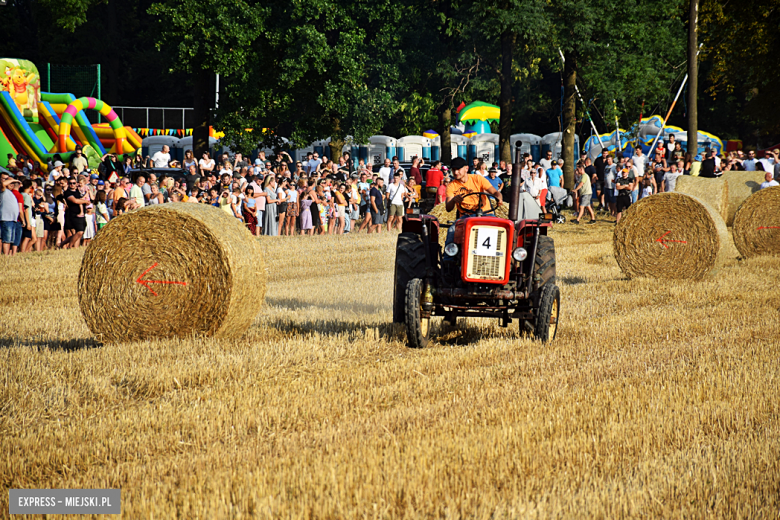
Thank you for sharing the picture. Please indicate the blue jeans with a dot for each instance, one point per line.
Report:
(634, 196)
(7, 232)
(18, 234)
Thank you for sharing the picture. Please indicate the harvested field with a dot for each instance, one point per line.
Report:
(659, 399)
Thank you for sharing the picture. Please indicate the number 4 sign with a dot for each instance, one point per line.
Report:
(487, 242)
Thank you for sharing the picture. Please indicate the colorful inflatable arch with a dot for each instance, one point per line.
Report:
(120, 136)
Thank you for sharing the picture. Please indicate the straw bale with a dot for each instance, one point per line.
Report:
(440, 212)
(757, 224)
(741, 186)
(670, 236)
(714, 191)
(216, 263)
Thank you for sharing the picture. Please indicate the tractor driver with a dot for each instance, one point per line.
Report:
(463, 184)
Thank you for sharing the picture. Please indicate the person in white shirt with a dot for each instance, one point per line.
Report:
(546, 162)
(535, 186)
(386, 171)
(670, 178)
(769, 181)
(395, 201)
(206, 164)
(640, 159)
(162, 158)
(768, 162)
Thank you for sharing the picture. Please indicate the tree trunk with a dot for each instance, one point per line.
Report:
(202, 94)
(505, 103)
(569, 119)
(336, 142)
(693, 79)
(445, 120)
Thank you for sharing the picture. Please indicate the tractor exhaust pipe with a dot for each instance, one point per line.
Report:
(514, 197)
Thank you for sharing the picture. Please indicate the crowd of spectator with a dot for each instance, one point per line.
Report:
(67, 206)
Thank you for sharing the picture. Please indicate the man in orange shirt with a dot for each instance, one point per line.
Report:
(464, 184)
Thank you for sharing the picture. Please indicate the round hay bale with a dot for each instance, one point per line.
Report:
(757, 224)
(714, 191)
(741, 186)
(670, 236)
(440, 212)
(172, 270)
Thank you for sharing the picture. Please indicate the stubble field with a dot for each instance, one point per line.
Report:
(657, 400)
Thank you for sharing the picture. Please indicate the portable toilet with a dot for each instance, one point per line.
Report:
(436, 148)
(531, 144)
(381, 147)
(153, 144)
(301, 153)
(459, 146)
(414, 146)
(483, 147)
(322, 147)
(186, 143)
(554, 143)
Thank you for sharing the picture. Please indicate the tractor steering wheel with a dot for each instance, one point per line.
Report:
(478, 212)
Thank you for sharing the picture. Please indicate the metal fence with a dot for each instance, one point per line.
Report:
(156, 117)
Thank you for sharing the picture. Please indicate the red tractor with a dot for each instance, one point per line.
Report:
(494, 267)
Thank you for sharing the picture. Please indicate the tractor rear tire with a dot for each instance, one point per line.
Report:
(544, 263)
(418, 329)
(548, 313)
(409, 263)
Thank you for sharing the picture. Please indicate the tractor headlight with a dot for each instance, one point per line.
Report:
(519, 254)
(451, 249)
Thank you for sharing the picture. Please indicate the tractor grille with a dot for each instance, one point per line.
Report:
(484, 267)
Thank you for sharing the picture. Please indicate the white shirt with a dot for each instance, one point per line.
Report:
(161, 160)
(385, 172)
(396, 193)
(768, 166)
(206, 164)
(639, 162)
(769, 184)
(749, 164)
(546, 163)
(535, 186)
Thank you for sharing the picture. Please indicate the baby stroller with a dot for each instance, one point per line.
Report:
(555, 198)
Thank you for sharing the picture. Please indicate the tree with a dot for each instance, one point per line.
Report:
(739, 68)
(210, 37)
(625, 51)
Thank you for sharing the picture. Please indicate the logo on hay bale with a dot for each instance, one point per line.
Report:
(173, 270)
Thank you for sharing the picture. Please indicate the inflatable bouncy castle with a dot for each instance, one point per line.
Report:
(42, 124)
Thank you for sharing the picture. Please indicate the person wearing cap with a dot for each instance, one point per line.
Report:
(56, 172)
(465, 184)
(554, 174)
(494, 180)
(78, 162)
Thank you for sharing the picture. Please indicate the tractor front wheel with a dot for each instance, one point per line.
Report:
(418, 329)
(548, 313)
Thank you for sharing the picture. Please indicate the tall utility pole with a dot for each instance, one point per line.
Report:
(693, 79)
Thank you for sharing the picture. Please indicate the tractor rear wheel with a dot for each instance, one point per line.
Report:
(418, 329)
(409, 263)
(544, 263)
(547, 314)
